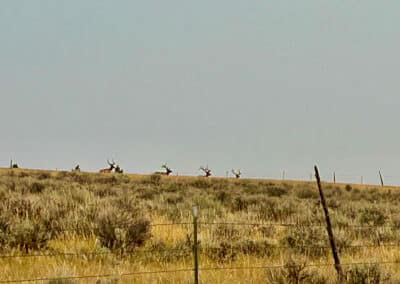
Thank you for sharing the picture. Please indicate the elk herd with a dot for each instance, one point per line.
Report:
(113, 167)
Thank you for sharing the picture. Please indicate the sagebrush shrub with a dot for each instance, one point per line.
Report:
(366, 274)
(295, 272)
(155, 179)
(224, 251)
(306, 240)
(226, 232)
(275, 210)
(252, 247)
(27, 234)
(36, 187)
(122, 231)
(201, 183)
(276, 191)
(373, 217)
(307, 193)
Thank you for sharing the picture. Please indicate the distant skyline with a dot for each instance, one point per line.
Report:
(264, 86)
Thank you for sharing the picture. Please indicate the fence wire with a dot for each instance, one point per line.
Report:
(137, 273)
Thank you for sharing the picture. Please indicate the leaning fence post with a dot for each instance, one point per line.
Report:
(380, 176)
(335, 254)
(195, 245)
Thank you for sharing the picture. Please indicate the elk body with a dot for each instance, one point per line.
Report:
(118, 170)
(167, 169)
(76, 169)
(109, 169)
(206, 170)
(236, 173)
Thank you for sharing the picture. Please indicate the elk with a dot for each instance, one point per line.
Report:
(167, 169)
(108, 170)
(76, 169)
(237, 173)
(206, 170)
(119, 170)
(13, 165)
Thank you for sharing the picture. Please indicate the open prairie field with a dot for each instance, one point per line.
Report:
(67, 227)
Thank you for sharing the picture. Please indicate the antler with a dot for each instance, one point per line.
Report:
(111, 164)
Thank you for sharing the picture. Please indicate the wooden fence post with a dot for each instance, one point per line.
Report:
(335, 254)
(334, 177)
(195, 245)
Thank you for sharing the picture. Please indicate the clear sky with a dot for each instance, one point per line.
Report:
(258, 85)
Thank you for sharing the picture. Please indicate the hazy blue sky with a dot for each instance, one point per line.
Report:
(260, 85)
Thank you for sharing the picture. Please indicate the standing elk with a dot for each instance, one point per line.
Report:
(108, 170)
(206, 170)
(237, 173)
(167, 169)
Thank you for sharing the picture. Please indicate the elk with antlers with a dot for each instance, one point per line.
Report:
(237, 173)
(76, 169)
(206, 170)
(167, 169)
(110, 169)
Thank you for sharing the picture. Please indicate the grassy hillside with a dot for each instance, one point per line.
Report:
(107, 224)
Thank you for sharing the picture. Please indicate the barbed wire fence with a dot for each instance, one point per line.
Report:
(195, 249)
(197, 268)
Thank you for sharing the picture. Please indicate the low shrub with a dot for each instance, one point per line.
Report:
(253, 247)
(36, 187)
(226, 232)
(27, 234)
(363, 274)
(372, 216)
(307, 193)
(306, 240)
(295, 272)
(201, 183)
(155, 179)
(122, 231)
(276, 210)
(222, 252)
(276, 191)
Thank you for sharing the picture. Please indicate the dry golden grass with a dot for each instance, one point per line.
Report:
(77, 199)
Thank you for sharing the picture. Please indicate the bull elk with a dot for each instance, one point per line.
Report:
(167, 169)
(118, 170)
(13, 165)
(236, 173)
(206, 170)
(76, 169)
(108, 170)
